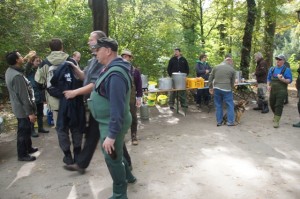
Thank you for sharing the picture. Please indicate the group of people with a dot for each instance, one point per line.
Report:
(221, 83)
(109, 86)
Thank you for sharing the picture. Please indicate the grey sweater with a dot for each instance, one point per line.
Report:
(222, 77)
(20, 93)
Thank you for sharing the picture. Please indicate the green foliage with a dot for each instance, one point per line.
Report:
(150, 29)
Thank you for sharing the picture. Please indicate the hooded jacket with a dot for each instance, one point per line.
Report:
(55, 58)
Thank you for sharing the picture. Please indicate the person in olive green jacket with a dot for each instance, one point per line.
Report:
(22, 102)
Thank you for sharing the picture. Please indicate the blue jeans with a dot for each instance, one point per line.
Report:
(226, 97)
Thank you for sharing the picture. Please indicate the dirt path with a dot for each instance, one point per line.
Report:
(177, 158)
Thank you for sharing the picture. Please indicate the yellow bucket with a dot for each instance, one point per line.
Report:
(150, 102)
(162, 99)
(151, 96)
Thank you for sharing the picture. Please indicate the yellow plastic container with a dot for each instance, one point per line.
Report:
(162, 99)
(193, 83)
(150, 102)
(200, 82)
(151, 96)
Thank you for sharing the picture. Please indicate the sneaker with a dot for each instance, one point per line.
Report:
(172, 107)
(231, 124)
(132, 181)
(219, 124)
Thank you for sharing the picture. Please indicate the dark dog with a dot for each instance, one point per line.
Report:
(239, 109)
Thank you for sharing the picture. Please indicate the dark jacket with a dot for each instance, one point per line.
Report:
(71, 111)
(176, 65)
(261, 71)
(30, 73)
(201, 70)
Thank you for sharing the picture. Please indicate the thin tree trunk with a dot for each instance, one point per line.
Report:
(100, 15)
(270, 26)
(247, 39)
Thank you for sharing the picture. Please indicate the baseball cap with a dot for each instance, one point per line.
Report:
(106, 43)
(281, 56)
(126, 52)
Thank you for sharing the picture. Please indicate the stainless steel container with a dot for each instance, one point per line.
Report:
(165, 83)
(144, 112)
(144, 81)
(179, 80)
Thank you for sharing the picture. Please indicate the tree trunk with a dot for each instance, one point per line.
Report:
(270, 12)
(100, 15)
(247, 39)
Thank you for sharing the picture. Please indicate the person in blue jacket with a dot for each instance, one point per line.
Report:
(279, 76)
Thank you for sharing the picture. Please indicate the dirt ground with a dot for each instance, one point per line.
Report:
(178, 157)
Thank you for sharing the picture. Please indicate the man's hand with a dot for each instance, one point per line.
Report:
(32, 118)
(70, 94)
(211, 91)
(206, 71)
(138, 102)
(108, 145)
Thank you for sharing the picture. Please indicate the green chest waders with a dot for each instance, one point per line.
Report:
(100, 109)
(277, 95)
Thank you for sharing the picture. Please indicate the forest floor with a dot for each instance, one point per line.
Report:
(177, 157)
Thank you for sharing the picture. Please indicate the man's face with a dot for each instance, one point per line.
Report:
(77, 57)
(176, 53)
(102, 54)
(279, 62)
(20, 59)
(127, 57)
(92, 41)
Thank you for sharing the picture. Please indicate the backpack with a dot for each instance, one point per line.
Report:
(53, 91)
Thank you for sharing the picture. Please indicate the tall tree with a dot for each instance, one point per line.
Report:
(247, 38)
(100, 15)
(270, 25)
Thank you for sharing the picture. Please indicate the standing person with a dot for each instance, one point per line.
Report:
(178, 64)
(30, 70)
(56, 58)
(279, 77)
(92, 134)
(298, 91)
(22, 102)
(261, 73)
(109, 104)
(136, 95)
(221, 84)
(202, 70)
(287, 64)
(76, 57)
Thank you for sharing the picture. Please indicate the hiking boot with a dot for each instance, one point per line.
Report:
(33, 150)
(74, 167)
(172, 107)
(43, 130)
(27, 158)
(135, 142)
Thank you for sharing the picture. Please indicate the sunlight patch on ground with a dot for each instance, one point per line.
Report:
(73, 193)
(173, 120)
(24, 171)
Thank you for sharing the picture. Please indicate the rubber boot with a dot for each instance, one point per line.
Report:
(265, 108)
(40, 125)
(129, 177)
(33, 133)
(297, 125)
(259, 105)
(276, 121)
(134, 138)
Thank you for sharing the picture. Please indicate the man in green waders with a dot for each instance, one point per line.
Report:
(279, 77)
(109, 104)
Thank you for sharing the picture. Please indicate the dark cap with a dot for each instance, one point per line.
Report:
(281, 56)
(228, 56)
(177, 49)
(106, 43)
